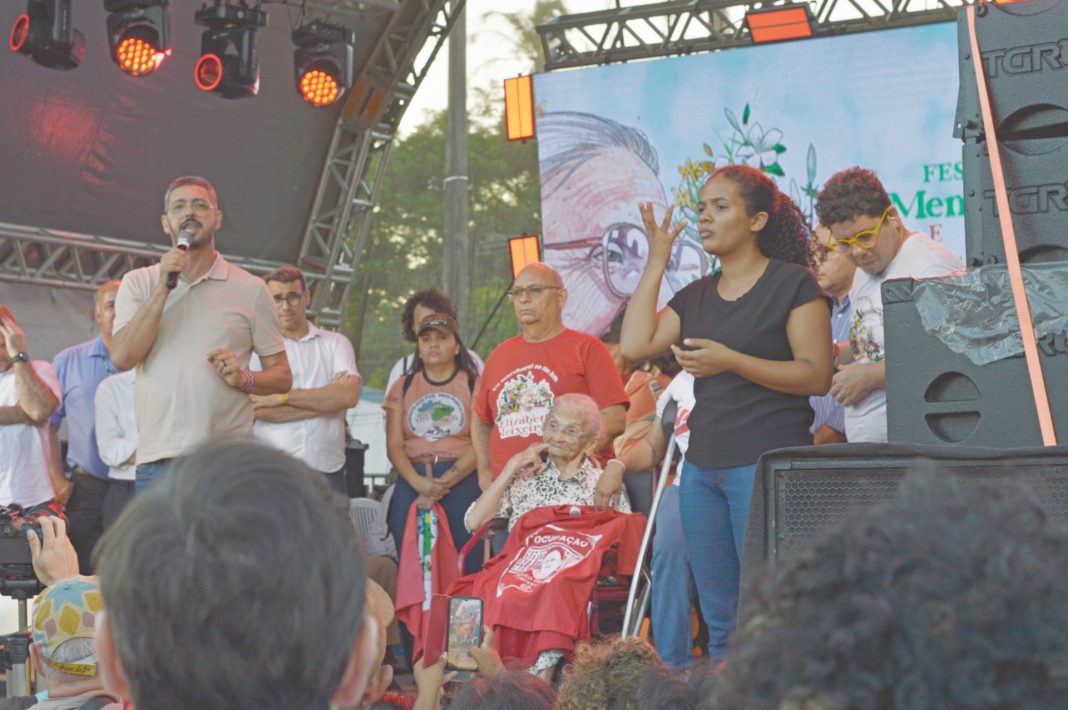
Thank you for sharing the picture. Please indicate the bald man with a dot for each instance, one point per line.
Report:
(525, 374)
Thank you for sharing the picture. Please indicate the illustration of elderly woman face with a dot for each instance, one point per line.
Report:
(592, 231)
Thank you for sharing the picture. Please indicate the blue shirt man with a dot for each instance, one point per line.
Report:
(80, 369)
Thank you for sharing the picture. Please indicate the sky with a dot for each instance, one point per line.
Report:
(490, 56)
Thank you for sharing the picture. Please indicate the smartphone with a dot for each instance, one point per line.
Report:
(465, 632)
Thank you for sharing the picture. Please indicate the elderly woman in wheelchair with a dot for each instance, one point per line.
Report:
(558, 471)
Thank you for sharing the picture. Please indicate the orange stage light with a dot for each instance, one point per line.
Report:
(137, 57)
(782, 22)
(208, 73)
(524, 250)
(20, 31)
(519, 107)
(319, 88)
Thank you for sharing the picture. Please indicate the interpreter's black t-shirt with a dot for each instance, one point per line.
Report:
(735, 420)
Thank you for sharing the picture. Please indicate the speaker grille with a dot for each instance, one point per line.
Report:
(808, 501)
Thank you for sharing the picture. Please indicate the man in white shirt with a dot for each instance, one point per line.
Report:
(864, 225)
(29, 393)
(308, 421)
(116, 439)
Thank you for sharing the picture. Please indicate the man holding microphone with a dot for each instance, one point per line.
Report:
(191, 337)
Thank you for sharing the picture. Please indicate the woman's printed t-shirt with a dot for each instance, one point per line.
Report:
(736, 420)
(436, 417)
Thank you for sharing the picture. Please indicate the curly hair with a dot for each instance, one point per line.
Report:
(511, 690)
(430, 298)
(786, 236)
(849, 194)
(952, 596)
(606, 676)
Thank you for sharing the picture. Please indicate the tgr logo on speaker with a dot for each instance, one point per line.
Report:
(1028, 59)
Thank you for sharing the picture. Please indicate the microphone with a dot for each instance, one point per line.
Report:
(184, 240)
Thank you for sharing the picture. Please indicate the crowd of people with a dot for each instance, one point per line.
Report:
(233, 576)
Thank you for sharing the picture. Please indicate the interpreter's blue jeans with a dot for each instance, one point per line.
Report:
(148, 473)
(713, 506)
(673, 586)
(455, 504)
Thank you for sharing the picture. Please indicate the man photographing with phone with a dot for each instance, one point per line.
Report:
(191, 344)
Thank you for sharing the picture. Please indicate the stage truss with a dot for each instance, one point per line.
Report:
(672, 28)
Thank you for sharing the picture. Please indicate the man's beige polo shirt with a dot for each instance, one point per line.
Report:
(180, 402)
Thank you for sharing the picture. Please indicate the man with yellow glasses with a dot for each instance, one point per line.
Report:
(864, 225)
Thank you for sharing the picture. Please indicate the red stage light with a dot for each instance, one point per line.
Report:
(780, 22)
(208, 73)
(319, 88)
(19, 32)
(137, 57)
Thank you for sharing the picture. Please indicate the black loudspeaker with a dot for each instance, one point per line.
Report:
(1024, 50)
(799, 493)
(938, 396)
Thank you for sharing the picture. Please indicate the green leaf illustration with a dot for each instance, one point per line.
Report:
(745, 114)
(779, 148)
(811, 163)
(774, 169)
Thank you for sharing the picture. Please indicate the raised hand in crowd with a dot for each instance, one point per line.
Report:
(53, 554)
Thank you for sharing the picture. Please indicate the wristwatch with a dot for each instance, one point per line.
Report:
(21, 357)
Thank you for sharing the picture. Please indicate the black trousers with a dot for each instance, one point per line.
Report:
(85, 516)
(119, 494)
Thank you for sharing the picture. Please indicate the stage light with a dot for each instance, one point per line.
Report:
(44, 34)
(781, 22)
(519, 108)
(323, 61)
(138, 34)
(523, 251)
(229, 61)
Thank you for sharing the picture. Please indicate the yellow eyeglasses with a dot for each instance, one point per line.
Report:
(865, 240)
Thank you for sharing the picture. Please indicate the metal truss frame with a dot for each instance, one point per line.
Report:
(686, 26)
(348, 189)
(50, 257)
(340, 218)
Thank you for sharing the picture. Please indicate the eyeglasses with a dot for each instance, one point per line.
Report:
(290, 299)
(199, 206)
(534, 291)
(571, 433)
(623, 250)
(865, 239)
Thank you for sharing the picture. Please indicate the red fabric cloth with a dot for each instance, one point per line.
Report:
(536, 591)
(443, 570)
(522, 379)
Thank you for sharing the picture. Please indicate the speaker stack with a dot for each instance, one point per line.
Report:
(936, 395)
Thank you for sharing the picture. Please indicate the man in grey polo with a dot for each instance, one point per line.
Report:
(191, 344)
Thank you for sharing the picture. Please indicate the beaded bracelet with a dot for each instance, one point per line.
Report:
(250, 381)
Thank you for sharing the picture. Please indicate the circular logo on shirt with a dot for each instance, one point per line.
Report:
(436, 415)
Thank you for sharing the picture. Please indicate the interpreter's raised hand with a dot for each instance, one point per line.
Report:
(704, 358)
(173, 261)
(53, 556)
(228, 367)
(852, 383)
(609, 485)
(661, 235)
(14, 338)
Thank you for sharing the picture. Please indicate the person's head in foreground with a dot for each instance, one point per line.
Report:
(607, 675)
(509, 690)
(236, 581)
(954, 596)
(64, 623)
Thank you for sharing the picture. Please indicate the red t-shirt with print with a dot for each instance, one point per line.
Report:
(521, 380)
